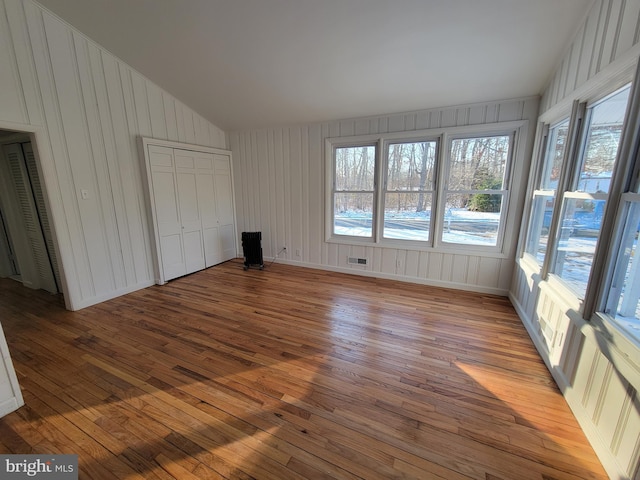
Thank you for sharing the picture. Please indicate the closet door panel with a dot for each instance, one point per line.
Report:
(168, 224)
(210, 230)
(33, 257)
(224, 204)
(191, 223)
(228, 241)
(173, 262)
(164, 197)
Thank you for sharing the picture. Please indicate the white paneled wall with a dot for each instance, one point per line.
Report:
(279, 178)
(607, 36)
(597, 370)
(86, 109)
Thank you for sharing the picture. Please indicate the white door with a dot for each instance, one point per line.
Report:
(25, 225)
(208, 209)
(164, 197)
(191, 200)
(224, 204)
(43, 214)
(187, 176)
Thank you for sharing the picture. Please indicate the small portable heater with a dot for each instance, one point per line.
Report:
(252, 249)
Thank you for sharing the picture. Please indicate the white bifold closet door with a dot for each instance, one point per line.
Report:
(192, 205)
(27, 224)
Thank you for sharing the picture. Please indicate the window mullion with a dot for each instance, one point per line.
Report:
(380, 188)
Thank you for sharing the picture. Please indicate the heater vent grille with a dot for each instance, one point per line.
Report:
(357, 261)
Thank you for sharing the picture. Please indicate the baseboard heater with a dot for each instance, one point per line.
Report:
(252, 249)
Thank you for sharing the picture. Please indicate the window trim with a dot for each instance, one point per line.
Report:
(384, 167)
(592, 299)
(625, 186)
(505, 192)
(576, 121)
(331, 187)
(516, 129)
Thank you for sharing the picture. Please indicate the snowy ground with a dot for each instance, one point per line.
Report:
(461, 226)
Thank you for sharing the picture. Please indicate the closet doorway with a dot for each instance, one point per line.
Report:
(27, 251)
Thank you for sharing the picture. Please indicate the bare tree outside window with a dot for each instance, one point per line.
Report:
(408, 198)
(476, 190)
(354, 190)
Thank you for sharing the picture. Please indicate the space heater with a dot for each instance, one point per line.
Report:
(252, 249)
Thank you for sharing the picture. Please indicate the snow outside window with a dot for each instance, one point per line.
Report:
(623, 301)
(584, 203)
(353, 193)
(476, 190)
(544, 197)
(406, 188)
(408, 196)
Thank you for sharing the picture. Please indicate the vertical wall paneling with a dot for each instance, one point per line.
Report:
(103, 192)
(14, 36)
(46, 66)
(170, 118)
(628, 27)
(596, 55)
(316, 202)
(11, 106)
(141, 105)
(139, 229)
(106, 75)
(290, 204)
(156, 112)
(86, 108)
(599, 383)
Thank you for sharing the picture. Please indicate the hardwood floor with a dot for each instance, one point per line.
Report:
(288, 373)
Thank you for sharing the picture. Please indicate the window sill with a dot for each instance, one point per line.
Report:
(469, 250)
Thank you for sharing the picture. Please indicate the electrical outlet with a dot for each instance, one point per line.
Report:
(298, 252)
(399, 263)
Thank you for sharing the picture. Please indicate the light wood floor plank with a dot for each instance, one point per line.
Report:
(288, 373)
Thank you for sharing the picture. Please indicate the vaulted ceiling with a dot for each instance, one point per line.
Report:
(254, 63)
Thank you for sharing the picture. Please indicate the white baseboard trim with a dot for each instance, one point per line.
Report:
(390, 276)
(9, 406)
(87, 302)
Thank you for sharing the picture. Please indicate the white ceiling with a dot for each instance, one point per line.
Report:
(255, 63)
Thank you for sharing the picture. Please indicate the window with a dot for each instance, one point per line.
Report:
(544, 197)
(584, 202)
(354, 191)
(409, 189)
(623, 299)
(476, 190)
(406, 188)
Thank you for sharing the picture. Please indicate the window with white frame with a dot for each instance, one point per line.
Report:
(476, 189)
(409, 190)
(426, 197)
(354, 190)
(584, 201)
(544, 196)
(620, 291)
(623, 300)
